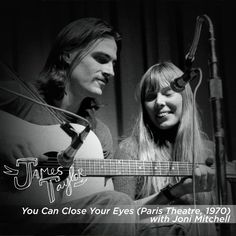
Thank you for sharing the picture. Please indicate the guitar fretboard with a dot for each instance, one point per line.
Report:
(112, 167)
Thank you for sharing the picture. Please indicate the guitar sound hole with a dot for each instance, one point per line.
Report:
(51, 167)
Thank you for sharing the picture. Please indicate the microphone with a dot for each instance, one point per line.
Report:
(178, 84)
(66, 157)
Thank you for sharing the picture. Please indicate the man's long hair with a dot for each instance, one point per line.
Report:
(80, 36)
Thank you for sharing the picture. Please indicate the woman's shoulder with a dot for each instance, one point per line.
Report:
(209, 149)
(128, 143)
(209, 145)
(127, 149)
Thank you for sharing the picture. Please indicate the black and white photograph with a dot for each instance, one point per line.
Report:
(117, 118)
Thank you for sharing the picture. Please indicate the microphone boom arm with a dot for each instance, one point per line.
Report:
(189, 58)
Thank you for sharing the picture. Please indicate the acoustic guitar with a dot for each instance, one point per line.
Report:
(87, 172)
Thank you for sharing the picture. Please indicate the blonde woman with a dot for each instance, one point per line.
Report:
(164, 131)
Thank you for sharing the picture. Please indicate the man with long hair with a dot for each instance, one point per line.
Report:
(79, 65)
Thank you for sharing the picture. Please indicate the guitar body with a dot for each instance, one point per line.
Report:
(52, 139)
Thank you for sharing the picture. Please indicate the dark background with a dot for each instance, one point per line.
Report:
(152, 31)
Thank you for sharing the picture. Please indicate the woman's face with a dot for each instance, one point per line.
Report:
(91, 75)
(164, 107)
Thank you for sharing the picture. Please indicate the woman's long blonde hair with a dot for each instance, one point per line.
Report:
(156, 149)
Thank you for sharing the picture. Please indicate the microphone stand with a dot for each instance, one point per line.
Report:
(216, 97)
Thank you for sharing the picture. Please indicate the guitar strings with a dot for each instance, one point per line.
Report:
(95, 167)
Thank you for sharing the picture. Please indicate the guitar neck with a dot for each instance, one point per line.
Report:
(113, 167)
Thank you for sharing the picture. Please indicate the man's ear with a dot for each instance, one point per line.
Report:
(67, 57)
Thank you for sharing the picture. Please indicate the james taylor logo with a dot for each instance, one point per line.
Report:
(26, 168)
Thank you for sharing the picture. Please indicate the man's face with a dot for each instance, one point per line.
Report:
(91, 75)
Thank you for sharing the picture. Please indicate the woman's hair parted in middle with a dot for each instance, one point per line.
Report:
(150, 140)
